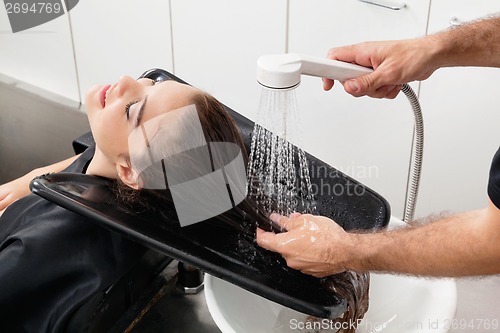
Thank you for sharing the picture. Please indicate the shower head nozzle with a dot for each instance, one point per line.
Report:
(279, 71)
(283, 71)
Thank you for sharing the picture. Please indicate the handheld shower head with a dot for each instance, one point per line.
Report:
(283, 71)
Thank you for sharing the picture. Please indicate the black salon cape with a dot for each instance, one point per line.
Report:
(53, 260)
(494, 182)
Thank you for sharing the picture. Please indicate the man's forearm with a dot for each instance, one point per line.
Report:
(460, 245)
(471, 44)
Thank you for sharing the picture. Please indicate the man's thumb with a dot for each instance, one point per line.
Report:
(360, 86)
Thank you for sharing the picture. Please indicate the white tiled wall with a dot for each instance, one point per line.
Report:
(216, 45)
(41, 56)
(114, 38)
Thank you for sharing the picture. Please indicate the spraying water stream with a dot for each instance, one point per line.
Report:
(278, 171)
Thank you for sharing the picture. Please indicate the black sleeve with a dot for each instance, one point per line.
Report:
(81, 163)
(494, 182)
(53, 260)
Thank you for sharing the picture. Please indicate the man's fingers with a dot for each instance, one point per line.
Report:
(271, 241)
(295, 220)
(283, 221)
(327, 84)
(394, 92)
(266, 240)
(345, 53)
(371, 85)
(280, 219)
(362, 85)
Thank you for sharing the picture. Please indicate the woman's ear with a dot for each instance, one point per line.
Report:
(127, 175)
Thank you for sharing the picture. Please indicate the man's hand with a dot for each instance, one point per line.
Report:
(394, 63)
(399, 62)
(315, 245)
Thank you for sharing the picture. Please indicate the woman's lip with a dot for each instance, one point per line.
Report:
(102, 94)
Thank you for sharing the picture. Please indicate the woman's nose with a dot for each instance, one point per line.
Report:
(126, 83)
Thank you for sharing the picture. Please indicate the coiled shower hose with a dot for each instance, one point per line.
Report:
(416, 155)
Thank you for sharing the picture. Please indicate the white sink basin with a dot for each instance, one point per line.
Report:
(398, 304)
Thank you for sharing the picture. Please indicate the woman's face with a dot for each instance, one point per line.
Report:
(115, 110)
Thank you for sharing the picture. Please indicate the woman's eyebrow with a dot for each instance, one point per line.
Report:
(141, 112)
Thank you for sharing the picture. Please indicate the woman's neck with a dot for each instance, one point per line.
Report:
(100, 165)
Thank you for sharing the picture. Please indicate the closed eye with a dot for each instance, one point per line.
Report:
(127, 108)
